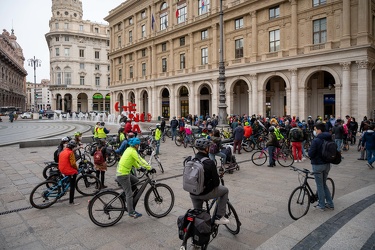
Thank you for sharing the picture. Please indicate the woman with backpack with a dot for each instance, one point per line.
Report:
(100, 157)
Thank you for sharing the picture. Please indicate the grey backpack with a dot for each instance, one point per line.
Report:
(193, 177)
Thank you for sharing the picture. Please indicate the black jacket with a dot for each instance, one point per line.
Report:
(338, 131)
(315, 151)
(211, 177)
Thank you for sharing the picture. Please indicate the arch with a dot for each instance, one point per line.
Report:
(143, 108)
(164, 93)
(163, 6)
(311, 71)
(205, 99)
(183, 92)
(82, 102)
(264, 80)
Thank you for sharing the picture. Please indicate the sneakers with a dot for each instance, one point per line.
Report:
(317, 207)
(73, 204)
(221, 221)
(329, 208)
(303, 159)
(370, 166)
(135, 214)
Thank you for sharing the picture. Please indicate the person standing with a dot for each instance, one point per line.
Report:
(130, 159)
(162, 125)
(296, 137)
(238, 133)
(272, 144)
(338, 131)
(174, 125)
(157, 138)
(102, 131)
(68, 167)
(320, 167)
(368, 140)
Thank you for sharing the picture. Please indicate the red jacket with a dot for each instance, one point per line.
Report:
(67, 162)
(128, 127)
(248, 131)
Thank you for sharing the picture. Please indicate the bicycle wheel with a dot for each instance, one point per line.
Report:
(51, 168)
(179, 140)
(261, 144)
(285, 159)
(259, 158)
(106, 208)
(331, 186)
(111, 159)
(299, 203)
(159, 200)
(234, 224)
(248, 146)
(159, 163)
(45, 194)
(88, 185)
(169, 133)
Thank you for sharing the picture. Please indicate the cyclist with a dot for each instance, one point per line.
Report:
(68, 167)
(101, 168)
(95, 131)
(78, 138)
(124, 144)
(174, 125)
(157, 138)
(130, 159)
(60, 148)
(212, 187)
(216, 150)
(102, 131)
(272, 144)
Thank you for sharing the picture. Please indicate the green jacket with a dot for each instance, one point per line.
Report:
(130, 158)
(279, 136)
(157, 134)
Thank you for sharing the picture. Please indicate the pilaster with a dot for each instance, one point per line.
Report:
(254, 88)
(346, 92)
(364, 88)
(294, 93)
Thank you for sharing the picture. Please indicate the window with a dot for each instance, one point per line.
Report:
(274, 40)
(57, 25)
(143, 69)
(81, 53)
(239, 48)
(143, 52)
(118, 26)
(66, 38)
(204, 54)
(66, 52)
(109, 81)
(68, 78)
(204, 34)
(274, 12)
(181, 14)
(120, 74)
(96, 30)
(66, 26)
(319, 2)
(81, 80)
(130, 36)
(130, 57)
(119, 60)
(57, 51)
(143, 34)
(97, 67)
(131, 72)
(163, 21)
(119, 42)
(80, 27)
(130, 21)
(97, 81)
(164, 65)
(96, 54)
(203, 6)
(163, 46)
(58, 78)
(143, 14)
(57, 39)
(320, 31)
(182, 61)
(238, 23)
(107, 42)
(182, 41)
(82, 66)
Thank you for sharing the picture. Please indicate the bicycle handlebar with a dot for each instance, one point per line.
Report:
(305, 171)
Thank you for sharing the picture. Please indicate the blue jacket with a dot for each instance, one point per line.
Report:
(369, 138)
(122, 148)
(315, 151)
(238, 133)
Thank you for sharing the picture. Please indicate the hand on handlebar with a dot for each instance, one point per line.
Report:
(142, 170)
(152, 171)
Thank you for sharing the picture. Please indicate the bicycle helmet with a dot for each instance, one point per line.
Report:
(65, 139)
(246, 123)
(72, 144)
(202, 143)
(271, 129)
(134, 141)
(77, 133)
(122, 124)
(157, 125)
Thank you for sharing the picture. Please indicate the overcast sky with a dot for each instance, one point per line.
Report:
(30, 21)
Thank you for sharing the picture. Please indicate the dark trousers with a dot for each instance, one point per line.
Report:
(102, 174)
(237, 144)
(73, 179)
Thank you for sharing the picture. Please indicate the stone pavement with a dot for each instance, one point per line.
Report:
(259, 195)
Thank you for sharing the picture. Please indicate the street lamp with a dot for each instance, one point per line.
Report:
(222, 106)
(34, 62)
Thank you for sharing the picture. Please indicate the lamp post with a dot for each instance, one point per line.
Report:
(222, 106)
(34, 62)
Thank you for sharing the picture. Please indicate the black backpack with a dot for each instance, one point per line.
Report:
(202, 226)
(330, 153)
(297, 135)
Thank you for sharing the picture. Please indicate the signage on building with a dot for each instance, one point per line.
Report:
(131, 112)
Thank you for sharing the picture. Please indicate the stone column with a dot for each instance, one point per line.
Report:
(302, 95)
(74, 104)
(261, 102)
(254, 91)
(294, 29)
(363, 21)
(170, 59)
(288, 101)
(293, 93)
(191, 52)
(192, 98)
(153, 59)
(346, 91)
(364, 100)
(254, 37)
(345, 39)
(172, 102)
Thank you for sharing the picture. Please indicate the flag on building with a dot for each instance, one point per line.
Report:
(177, 13)
(152, 21)
(203, 4)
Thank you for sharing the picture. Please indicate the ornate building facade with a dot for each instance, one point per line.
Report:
(12, 72)
(79, 67)
(296, 57)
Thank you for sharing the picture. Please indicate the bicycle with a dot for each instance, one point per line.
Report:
(231, 214)
(180, 138)
(107, 207)
(302, 196)
(45, 194)
(283, 156)
(149, 149)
